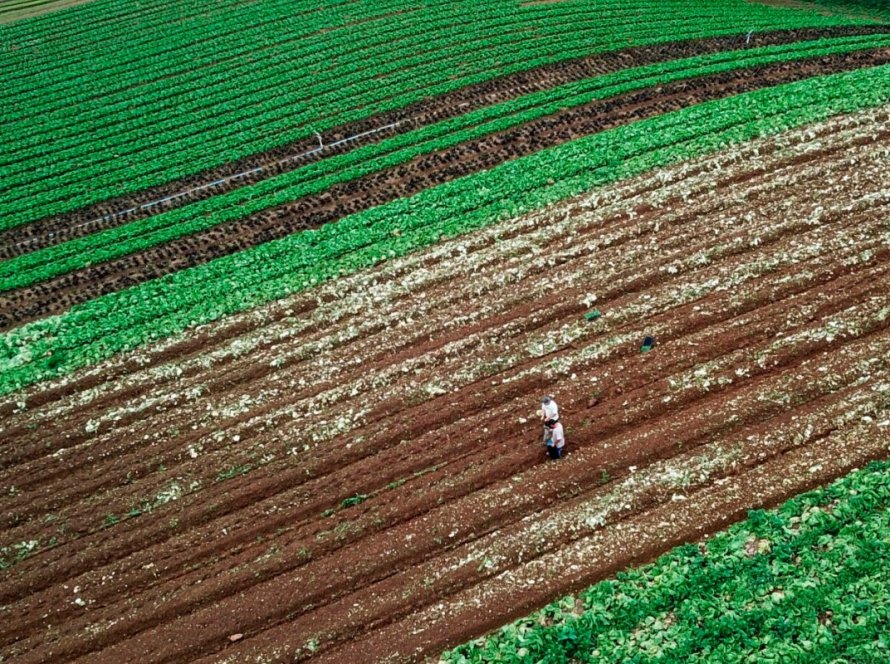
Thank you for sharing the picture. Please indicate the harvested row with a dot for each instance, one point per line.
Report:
(368, 349)
(314, 593)
(157, 257)
(107, 214)
(277, 404)
(77, 429)
(256, 331)
(374, 517)
(701, 304)
(516, 590)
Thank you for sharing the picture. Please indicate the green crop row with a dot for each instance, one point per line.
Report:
(304, 85)
(237, 53)
(279, 81)
(413, 58)
(80, 22)
(268, 32)
(92, 249)
(166, 41)
(95, 330)
(806, 582)
(142, 146)
(108, 161)
(187, 35)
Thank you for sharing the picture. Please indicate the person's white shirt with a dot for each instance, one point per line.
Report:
(550, 411)
(557, 435)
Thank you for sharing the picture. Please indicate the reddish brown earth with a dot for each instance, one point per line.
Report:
(59, 294)
(412, 389)
(114, 212)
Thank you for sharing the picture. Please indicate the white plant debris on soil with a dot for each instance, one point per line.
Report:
(362, 461)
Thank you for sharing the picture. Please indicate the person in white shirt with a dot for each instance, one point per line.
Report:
(549, 415)
(557, 441)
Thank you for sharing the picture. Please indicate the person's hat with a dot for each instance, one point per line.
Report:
(546, 400)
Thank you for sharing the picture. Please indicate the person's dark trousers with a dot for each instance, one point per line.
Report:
(554, 451)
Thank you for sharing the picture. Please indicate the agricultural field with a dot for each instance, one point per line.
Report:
(282, 285)
(798, 584)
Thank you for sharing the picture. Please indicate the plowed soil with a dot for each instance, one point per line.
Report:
(59, 294)
(355, 474)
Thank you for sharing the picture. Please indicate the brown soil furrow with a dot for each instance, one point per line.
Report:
(255, 574)
(426, 583)
(421, 173)
(54, 230)
(870, 278)
(40, 474)
(365, 523)
(129, 375)
(230, 378)
(499, 599)
(773, 335)
(84, 485)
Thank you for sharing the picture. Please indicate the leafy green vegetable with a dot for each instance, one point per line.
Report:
(86, 120)
(156, 309)
(819, 593)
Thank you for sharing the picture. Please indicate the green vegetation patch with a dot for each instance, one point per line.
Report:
(86, 120)
(61, 258)
(807, 582)
(157, 309)
(878, 9)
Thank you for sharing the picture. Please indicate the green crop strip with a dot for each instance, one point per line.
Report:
(157, 309)
(806, 582)
(59, 259)
(66, 183)
(354, 41)
(384, 61)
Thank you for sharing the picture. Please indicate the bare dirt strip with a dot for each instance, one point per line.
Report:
(114, 212)
(355, 474)
(24, 10)
(57, 295)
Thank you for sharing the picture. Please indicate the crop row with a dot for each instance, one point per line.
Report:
(270, 128)
(82, 23)
(508, 257)
(97, 329)
(404, 38)
(189, 34)
(300, 40)
(262, 110)
(59, 259)
(218, 95)
(69, 40)
(253, 123)
(872, 8)
(303, 85)
(235, 54)
(99, 153)
(804, 582)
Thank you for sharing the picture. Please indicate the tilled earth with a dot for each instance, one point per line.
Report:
(355, 474)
